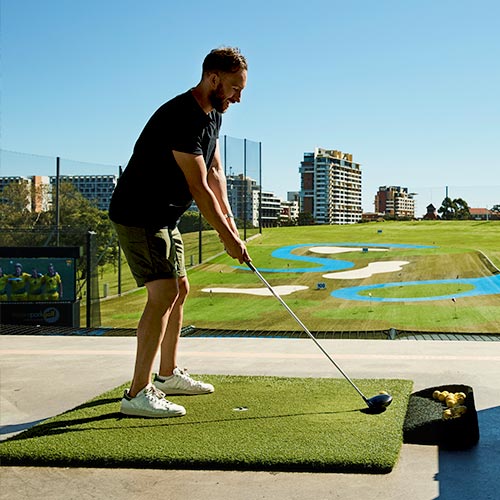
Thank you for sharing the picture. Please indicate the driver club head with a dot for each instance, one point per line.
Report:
(379, 403)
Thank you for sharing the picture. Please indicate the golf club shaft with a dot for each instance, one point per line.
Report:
(306, 330)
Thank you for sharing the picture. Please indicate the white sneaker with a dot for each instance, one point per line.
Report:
(150, 402)
(181, 383)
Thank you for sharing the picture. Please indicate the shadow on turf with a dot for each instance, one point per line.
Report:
(9, 429)
(70, 424)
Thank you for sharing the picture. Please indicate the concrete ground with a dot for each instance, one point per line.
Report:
(44, 376)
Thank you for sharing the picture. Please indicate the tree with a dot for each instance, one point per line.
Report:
(15, 206)
(78, 216)
(17, 218)
(496, 209)
(190, 222)
(456, 209)
(288, 222)
(462, 211)
(22, 226)
(305, 219)
(447, 209)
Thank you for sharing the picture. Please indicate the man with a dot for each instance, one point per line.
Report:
(4, 280)
(175, 159)
(35, 285)
(53, 289)
(19, 284)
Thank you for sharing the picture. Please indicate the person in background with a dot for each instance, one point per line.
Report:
(4, 281)
(53, 289)
(19, 282)
(35, 283)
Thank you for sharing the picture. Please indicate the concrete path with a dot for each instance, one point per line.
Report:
(44, 376)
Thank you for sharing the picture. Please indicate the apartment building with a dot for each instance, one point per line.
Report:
(331, 187)
(270, 209)
(38, 191)
(395, 201)
(242, 193)
(41, 193)
(289, 212)
(248, 202)
(95, 188)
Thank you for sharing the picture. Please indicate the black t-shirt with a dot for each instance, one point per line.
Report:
(152, 192)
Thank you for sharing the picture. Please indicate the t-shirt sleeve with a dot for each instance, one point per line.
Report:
(187, 134)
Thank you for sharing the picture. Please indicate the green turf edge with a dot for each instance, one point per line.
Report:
(293, 424)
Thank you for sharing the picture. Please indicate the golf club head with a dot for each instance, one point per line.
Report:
(379, 402)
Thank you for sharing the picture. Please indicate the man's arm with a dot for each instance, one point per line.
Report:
(195, 172)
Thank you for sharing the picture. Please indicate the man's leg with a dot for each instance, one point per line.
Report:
(171, 379)
(162, 295)
(168, 360)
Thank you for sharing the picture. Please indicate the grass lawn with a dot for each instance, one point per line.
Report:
(456, 250)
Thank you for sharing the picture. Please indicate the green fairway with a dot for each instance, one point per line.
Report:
(416, 291)
(456, 250)
(256, 423)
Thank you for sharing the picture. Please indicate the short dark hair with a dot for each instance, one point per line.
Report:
(225, 59)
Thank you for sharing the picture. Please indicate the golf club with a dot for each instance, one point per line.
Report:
(378, 402)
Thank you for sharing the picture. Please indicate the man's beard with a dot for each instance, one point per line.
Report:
(217, 99)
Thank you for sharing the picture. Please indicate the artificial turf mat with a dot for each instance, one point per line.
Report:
(424, 423)
(249, 423)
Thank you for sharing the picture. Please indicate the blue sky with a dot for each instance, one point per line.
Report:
(410, 88)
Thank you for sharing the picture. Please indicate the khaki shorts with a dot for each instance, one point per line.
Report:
(152, 255)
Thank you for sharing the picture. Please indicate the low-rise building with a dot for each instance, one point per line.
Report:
(395, 202)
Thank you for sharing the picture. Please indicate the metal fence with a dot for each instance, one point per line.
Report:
(242, 161)
(242, 164)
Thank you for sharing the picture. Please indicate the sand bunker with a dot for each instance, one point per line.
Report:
(332, 250)
(365, 272)
(369, 270)
(281, 290)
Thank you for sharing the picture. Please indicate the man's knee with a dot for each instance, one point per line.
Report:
(183, 286)
(162, 293)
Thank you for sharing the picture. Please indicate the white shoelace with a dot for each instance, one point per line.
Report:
(155, 393)
(186, 377)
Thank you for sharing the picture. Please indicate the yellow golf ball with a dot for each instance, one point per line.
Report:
(443, 395)
(450, 402)
(458, 411)
(447, 414)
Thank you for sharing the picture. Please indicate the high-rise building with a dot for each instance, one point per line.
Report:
(395, 201)
(242, 193)
(331, 187)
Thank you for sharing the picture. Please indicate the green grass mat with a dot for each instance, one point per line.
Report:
(249, 423)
